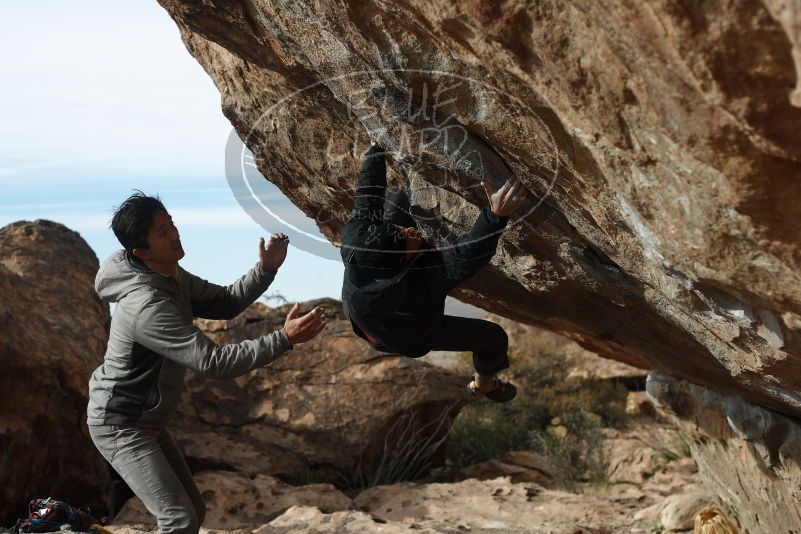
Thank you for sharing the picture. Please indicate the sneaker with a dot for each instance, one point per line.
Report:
(502, 392)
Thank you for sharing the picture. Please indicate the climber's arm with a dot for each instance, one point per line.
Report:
(371, 186)
(475, 249)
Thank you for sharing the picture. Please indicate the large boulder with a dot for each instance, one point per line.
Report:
(53, 333)
(327, 410)
(659, 144)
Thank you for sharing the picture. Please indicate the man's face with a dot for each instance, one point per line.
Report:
(164, 241)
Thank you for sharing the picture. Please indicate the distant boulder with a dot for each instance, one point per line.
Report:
(53, 333)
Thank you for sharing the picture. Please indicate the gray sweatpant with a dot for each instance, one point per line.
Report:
(149, 461)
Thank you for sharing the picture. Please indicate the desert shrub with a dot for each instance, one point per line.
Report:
(405, 453)
(484, 432)
(576, 455)
(557, 416)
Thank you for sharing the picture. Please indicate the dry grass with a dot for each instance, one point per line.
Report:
(409, 447)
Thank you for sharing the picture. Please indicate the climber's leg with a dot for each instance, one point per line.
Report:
(487, 341)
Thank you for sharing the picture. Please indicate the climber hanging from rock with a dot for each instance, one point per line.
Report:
(395, 285)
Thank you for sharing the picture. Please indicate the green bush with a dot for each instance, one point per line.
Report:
(481, 433)
(486, 430)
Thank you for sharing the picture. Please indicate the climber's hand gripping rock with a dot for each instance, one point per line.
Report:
(507, 199)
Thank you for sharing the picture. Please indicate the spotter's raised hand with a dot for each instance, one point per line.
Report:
(273, 254)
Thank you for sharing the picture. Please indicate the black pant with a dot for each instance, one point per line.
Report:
(487, 340)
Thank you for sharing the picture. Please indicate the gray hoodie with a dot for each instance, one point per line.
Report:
(152, 340)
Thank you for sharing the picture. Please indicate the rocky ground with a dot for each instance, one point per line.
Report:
(495, 505)
(650, 483)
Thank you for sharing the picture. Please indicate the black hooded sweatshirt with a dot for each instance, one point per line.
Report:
(400, 303)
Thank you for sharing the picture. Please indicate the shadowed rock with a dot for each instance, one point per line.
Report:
(53, 332)
(326, 406)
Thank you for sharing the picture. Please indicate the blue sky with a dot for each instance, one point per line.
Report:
(100, 98)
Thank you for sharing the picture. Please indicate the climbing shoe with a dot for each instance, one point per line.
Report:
(502, 392)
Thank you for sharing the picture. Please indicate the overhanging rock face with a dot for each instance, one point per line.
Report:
(658, 142)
